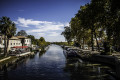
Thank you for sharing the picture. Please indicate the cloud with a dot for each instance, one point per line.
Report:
(46, 29)
(27, 22)
(54, 34)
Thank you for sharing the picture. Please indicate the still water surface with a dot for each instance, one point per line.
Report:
(52, 65)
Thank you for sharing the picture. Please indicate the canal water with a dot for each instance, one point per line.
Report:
(52, 65)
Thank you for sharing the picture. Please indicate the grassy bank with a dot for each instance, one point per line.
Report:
(12, 58)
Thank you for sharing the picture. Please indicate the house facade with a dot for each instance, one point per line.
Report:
(13, 42)
(1, 41)
(26, 41)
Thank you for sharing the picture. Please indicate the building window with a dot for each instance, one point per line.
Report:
(14, 43)
(11, 43)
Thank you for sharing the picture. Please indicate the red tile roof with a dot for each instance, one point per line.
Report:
(20, 47)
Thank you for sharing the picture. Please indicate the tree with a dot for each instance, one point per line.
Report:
(32, 39)
(42, 39)
(11, 32)
(86, 16)
(91, 16)
(7, 27)
(101, 18)
(22, 33)
(42, 42)
(79, 33)
(67, 34)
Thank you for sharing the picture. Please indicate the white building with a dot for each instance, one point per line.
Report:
(13, 42)
(27, 41)
(1, 41)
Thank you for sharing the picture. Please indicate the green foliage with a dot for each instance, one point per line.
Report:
(97, 20)
(67, 34)
(63, 43)
(32, 39)
(79, 33)
(8, 29)
(42, 39)
(41, 42)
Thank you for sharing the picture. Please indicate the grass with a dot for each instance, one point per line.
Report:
(8, 60)
(2, 57)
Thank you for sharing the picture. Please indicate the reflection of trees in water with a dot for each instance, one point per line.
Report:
(11, 66)
(32, 56)
(42, 51)
(83, 71)
(75, 70)
(4, 73)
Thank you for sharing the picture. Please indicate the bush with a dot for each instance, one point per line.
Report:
(105, 53)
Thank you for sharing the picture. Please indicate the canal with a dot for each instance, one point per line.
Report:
(52, 65)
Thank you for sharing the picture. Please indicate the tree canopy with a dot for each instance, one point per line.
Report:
(8, 29)
(97, 21)
(67, 34)
(22, 33)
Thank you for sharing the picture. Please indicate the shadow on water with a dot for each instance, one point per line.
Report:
(4, 73)
(80, 70)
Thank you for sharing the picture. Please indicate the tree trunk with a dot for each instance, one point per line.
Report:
(5, 48)
(7, 45)
(83, 43)
(109, 39)
(97, 41)
(22, 45)
(92, 40)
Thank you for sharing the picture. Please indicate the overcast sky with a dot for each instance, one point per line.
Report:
(41, 18)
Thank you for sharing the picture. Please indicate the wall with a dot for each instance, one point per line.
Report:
(28, 42)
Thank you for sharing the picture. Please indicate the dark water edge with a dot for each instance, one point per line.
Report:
(52, 65)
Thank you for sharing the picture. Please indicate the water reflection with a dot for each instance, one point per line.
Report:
(43, 50)
(52, 65)
(4, 73)
(80, 70)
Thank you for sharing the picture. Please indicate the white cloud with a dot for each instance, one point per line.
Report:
(27, 22)
(47, 29)
(54, 34)
(41, 34)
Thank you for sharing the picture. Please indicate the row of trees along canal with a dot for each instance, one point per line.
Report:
(8, 29)
(97, 20)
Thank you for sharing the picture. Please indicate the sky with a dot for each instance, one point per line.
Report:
(41, 18)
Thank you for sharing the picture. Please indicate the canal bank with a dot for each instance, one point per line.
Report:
(52, 65)
(95, 56)
(8, 61)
